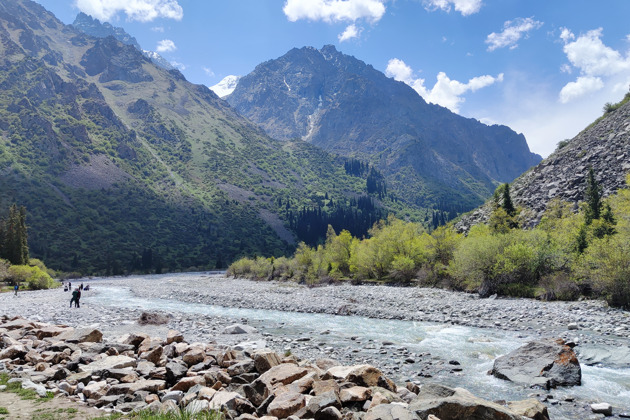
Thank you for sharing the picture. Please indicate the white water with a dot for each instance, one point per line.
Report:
(474, 348)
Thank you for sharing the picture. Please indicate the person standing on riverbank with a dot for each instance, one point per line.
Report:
(16, 288)
(75, 297)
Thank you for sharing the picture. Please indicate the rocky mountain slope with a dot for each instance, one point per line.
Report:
(429, 155)
(604, 146)
(93, 27)
(124, 165)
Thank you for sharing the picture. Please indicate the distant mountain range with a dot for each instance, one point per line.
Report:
(94, 27)
(430, 156)
(124, 165)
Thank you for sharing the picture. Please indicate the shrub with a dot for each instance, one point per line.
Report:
(34, 277)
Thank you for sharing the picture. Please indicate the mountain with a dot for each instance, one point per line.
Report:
(430, 156)
(226, 86)
(604, 146)
(123, 165)
(94, 27)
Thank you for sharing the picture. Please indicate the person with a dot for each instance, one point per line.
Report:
(70, 285)
(81, 287)
(16, 288)
(76, 302)
(75, 297)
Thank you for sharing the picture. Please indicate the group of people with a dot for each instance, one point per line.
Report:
(76, 293)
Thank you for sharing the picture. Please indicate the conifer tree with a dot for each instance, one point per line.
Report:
(593, 198)
(13, 236)
(508, 205)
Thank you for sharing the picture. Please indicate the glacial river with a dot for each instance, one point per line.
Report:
(474, 348)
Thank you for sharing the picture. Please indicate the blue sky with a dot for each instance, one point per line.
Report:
(543, 67)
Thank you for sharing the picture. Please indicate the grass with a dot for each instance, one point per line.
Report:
(25, 394)
(58, 414)
(181, 415)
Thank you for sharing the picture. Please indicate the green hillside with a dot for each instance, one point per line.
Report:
(123, 165)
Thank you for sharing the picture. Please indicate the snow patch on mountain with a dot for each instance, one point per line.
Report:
(226, 86)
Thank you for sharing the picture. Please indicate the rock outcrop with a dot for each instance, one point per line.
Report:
(119, 376)
(545, 363)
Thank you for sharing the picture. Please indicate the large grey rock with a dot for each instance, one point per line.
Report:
(81, 335)
(108, 363)
(239, 329)
(362, 375)
(531, 408)
(389, 412)
(547, 363)
(175, 370)
(447, 403)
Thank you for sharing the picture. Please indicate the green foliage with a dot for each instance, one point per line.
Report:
(34, 277)
(182, 414)
(13, 236)
(592, 198)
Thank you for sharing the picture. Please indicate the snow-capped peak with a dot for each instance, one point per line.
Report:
(225, 86)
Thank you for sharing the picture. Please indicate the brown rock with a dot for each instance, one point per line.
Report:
(81, 335)
(283, 374)
(265, 360)
(13, 352)
(151, 398)
(95, 390)
(51, 331)
(286, 404)
(152, 355)
(362, 375)
(355, 393)
(206, 393)
(194, 356)
(320, 387)
(531, 408)
(150, 385)
(152, 318)
(149, 343)
(174, 336)
(185, 384)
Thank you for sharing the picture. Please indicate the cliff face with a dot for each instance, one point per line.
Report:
(604, 146)
(347, 107)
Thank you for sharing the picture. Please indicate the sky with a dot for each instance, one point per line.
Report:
(545, 68)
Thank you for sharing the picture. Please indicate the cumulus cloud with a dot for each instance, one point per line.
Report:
(580, 87)
(446, 92)
(597, 64)
(334, 10)
(165, 45)
(140, 10)
(465, 7)
(352, 31)
(513, 31)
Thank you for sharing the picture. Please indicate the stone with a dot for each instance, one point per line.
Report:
(530, 408)
(169, 406)
(362, 375)
(286, 404)
(152, 318)
(321, 401)
(239, 329)
(246, 366)
(284, 374)
(175, 370)
(354, 394)
(321, 387)
(151, 385)
(174, 336)
(13, 352)
(206, 393)
(602, 408)
(265, 360)
(329, 413)
(547, 363)
(95, 390)
(572, 326)
(173, 395)
(225, 400)
(391, 412)
(186, 383)
(457, 403)
(197, 406)
(108, 363)
(194, 356)
(51, 331)
(81, 335)
(152, 355)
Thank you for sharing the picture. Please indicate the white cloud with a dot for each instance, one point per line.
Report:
(334, 10)
(158, 29)
(465, 7)
(179, 66)
(446, 92)
(140, 10)
(513, 31)
(352, 31)
(208, 71)
(580, 87)
(165, 45)
(598, 64)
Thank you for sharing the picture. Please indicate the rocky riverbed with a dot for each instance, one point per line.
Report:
(602, 333)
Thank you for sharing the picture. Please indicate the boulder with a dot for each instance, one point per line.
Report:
(152, 355)
(354, 394)
(239, 329)
(186, 383)
(197, 406)
(174, 337)
(225, 400)
(602, 408)
(152, 318)
(284, 374)
(109, 363)
(13, 352)
(81, 335)
(51, 331)
(194, 356)
(150, 385)
(246, 366)
(95, 390)
(362, 375)
(265, 360)
(547, 363)
(41, 390)
(389, 412)
(329, 413)
(457, 403)
(286, 404)
(531, 408)
(175, 370)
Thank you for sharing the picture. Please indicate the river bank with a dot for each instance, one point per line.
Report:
(485, 328)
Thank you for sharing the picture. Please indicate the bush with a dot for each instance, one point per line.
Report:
(34, 277)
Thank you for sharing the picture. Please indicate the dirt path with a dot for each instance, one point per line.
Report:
(58, 408)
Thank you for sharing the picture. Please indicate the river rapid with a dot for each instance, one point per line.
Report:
(412, 334)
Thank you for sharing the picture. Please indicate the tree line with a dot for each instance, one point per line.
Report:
(568, 255)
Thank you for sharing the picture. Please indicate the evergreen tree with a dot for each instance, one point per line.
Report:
(14, 245)
(593, 198)
(508, 205)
